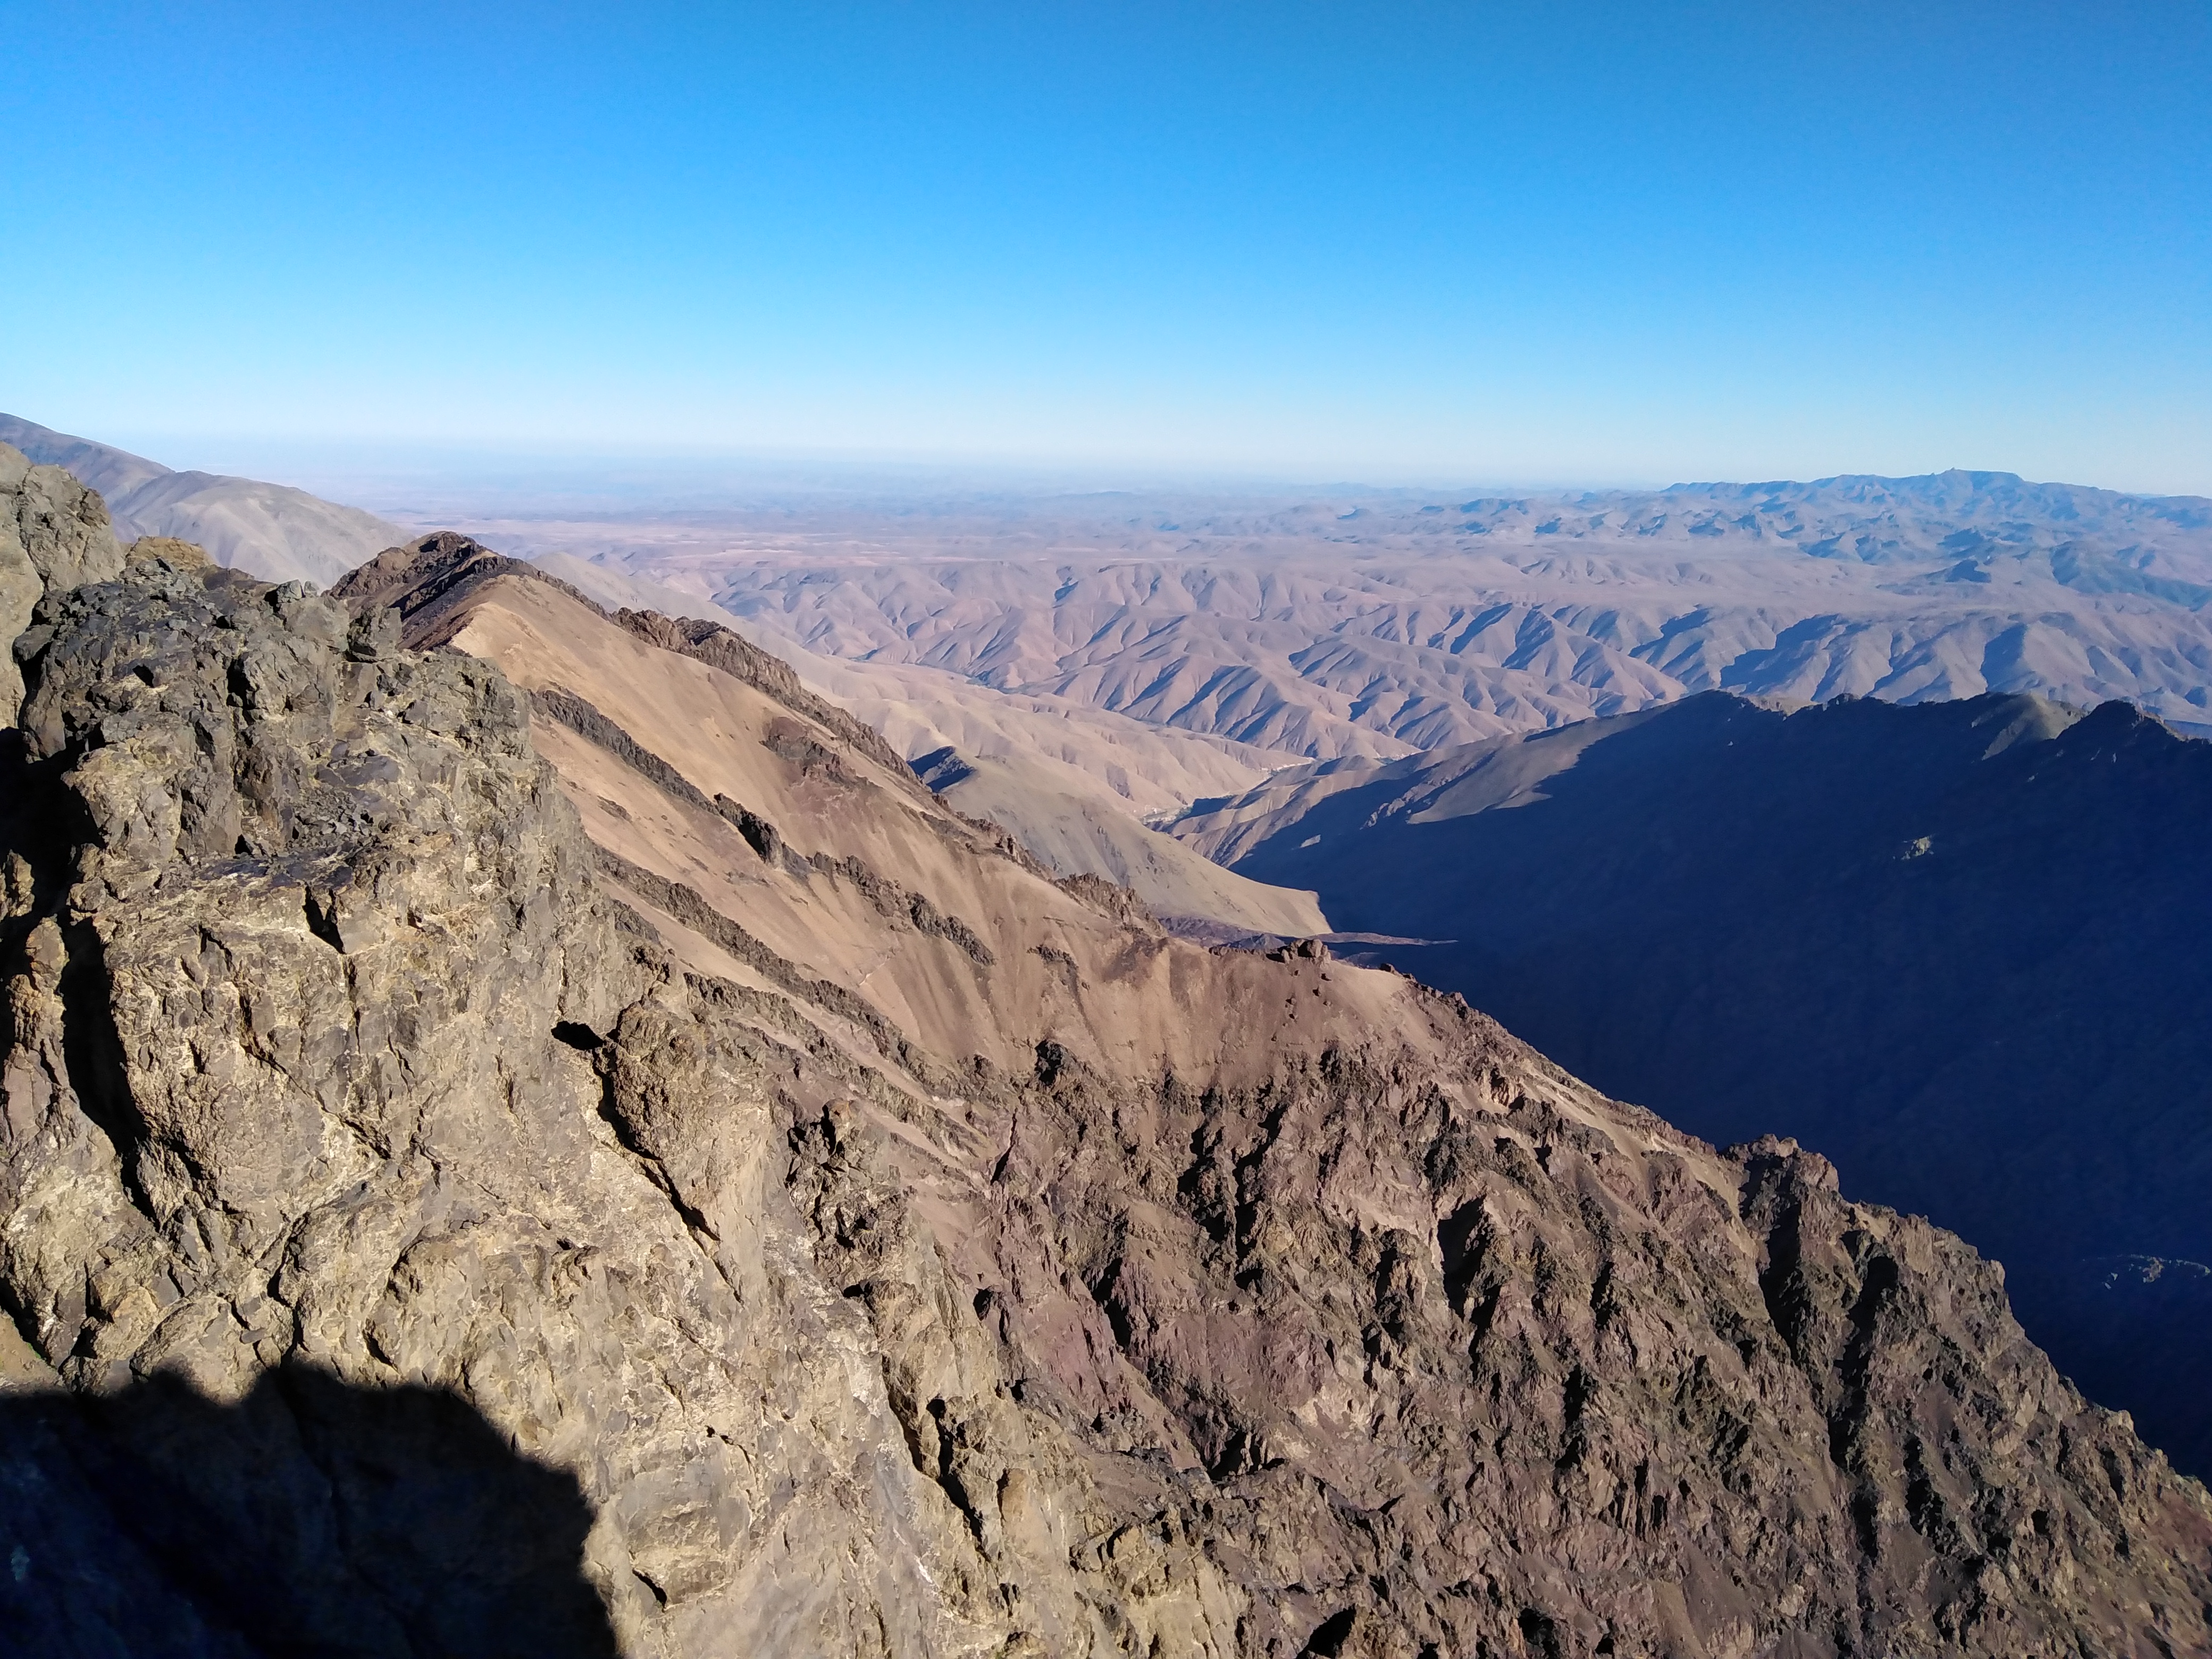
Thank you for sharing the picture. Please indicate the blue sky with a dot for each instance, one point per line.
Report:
(1516, 243)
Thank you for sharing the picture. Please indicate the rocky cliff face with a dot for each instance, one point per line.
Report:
(1960, 947)
(438, 1234)
(55, 533)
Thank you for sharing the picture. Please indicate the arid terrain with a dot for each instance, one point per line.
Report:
(1959, 945)
(1375, 623)
(528, 1131)
(1106, 832)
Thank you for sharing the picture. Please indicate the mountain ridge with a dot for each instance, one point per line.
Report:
(274, 530)
(1953, 943)
(388, 1023)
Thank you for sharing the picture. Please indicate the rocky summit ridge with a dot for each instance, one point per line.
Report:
(1958, 946)
(519, 1139)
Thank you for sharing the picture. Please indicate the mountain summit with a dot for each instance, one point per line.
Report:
(527, 1133)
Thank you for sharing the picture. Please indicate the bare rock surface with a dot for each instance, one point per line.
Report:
(483, 1177)
(1960, 947)
(53, 532)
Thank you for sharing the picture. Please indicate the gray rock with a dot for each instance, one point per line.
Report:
(53, 532)
(427, 1264)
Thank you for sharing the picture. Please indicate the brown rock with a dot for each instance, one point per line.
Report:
(477, 1253)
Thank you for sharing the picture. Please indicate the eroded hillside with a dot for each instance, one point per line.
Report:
(867, 1245)
(1369, 623)
(1960, 947)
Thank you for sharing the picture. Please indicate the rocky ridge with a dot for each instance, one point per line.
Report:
(1107, 1295)
(1958, 946)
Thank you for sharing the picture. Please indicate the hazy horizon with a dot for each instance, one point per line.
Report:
(1591, 243)
(618, 480)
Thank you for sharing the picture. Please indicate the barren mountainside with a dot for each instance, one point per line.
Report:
(528, 1133)
(1082, 830)
(1076, 785)
(1958, 946)
(1068, 746)
(1366, 623)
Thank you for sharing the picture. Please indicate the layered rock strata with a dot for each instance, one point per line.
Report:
(1050, 1286)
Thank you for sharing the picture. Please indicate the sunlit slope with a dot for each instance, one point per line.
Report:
(1059, 968)
(1068, 745)
(1078, 827)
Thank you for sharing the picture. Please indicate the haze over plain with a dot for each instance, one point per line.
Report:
(530, 1117)
(1595, 244)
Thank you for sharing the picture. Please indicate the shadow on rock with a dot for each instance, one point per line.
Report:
(2135, 1330)
(312, 1517)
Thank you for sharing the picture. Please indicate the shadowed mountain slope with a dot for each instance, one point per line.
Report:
(1962, 946)
(902, 1252)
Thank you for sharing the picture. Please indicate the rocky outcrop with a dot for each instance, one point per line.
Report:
(388, 1190)
(1958, 946)
(53, 532)
(1507, 1383)
(324, 1059)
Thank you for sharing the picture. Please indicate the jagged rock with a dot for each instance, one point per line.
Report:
(55, 533)
(284, 1091)
(1958, 946)
(1115, 1298)
(185, 556)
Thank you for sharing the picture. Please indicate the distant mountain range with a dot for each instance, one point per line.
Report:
(1377, 623)
(1961, 947)
(272, 530)
(523, 1130)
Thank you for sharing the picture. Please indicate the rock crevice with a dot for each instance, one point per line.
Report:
(360, 1140)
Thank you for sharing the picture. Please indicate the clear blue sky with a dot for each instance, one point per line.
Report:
(1630, 242)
